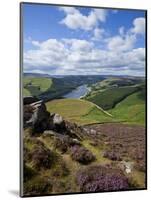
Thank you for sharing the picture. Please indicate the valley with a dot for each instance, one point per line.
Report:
(87, 130)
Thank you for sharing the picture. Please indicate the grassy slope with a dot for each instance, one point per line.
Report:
(131, 109)
(79, 111)
(35, 86)
(109, 97)
(26, 92)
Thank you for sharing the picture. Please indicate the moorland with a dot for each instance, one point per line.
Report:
(94, 142)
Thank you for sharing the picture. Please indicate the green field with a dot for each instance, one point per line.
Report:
(124, 99)
(131, 109)
(79, 111)
(36, 85)
(108, 98)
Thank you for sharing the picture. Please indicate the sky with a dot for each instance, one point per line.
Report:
(59, 40)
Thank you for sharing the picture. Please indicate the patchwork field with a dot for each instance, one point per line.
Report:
(34, 86)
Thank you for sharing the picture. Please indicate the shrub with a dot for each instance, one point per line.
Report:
(62, 143)
(28, 172)
(81, 154)
(42, 157)
(28, 111)
(60, 169)
(26, 154)
(101, 178)
(37, 186)
(140, 165)
(112, 155)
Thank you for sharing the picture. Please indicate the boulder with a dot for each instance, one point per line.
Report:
(57, 119)
(28, 100)
(76, 141)
(49, 133)
(40, 118)
(58, 123)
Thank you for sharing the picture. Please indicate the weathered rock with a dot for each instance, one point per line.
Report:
(28, 111)
(73, 130)
(40, 117)
(39, 120)
(57, 119)
(28, 100)
(49, 132)
(126, 166)
(76, 141)
(58, 123)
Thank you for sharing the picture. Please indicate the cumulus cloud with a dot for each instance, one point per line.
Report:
(122, 31)
(139, 26)
(78, 45)
(74, 19)
(119, 54)
(69, 10)
(121, 43)
(126, 40)
(72, 56)
(98, 34)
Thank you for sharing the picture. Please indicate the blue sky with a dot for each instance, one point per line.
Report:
(77, 40)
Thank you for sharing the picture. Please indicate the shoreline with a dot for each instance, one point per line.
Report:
(79, 97)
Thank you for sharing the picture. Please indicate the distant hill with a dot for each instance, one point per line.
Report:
(54, 87)
(35, 75)
(121, 97)
(111, 91)
(35, 86)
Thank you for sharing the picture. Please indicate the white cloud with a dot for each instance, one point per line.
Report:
(126, 40)
(100, 14)
(122, 31)
(139, 26)
(80, 56)
(69, 10)
(72, 56)
(74, 19)
(35, 43)
(78, 45)
(119, 43)
(98, 34)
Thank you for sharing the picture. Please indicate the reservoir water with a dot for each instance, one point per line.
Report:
(78, 92)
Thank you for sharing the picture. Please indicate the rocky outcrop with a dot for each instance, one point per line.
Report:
(39, 120)
(29, 100)
(39, 117)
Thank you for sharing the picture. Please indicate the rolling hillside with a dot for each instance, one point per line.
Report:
(35, 86)
(79, 111)
(131, 109)
(123, 98)
(110, 97)
(111, 91)
(47, 88)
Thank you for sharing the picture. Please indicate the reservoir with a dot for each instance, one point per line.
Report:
(80, 91)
